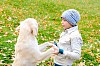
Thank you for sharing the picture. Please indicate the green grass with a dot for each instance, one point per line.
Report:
(47, 13)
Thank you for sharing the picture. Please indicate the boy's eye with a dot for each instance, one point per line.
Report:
(64, 20)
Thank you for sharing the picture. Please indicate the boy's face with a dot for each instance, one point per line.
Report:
(65, 24)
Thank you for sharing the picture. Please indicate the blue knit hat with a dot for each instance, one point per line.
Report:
(72, 16)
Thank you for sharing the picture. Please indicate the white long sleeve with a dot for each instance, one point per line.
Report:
(76, 44)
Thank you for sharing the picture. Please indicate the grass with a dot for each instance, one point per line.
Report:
(47, 13)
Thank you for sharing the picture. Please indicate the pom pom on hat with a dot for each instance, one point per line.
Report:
(72, 16)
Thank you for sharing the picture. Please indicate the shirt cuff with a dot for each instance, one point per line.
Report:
(61, 51)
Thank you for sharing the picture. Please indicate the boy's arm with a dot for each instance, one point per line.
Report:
(76, 44)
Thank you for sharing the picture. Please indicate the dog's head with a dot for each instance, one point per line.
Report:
(29, 25)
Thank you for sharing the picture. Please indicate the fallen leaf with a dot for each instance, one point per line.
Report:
(0, 29)
(16, 33)
(1, 22)
(81, 64)
(98, 59)
(9, 18)
(8, 41)
(5, 34)
(1, 10)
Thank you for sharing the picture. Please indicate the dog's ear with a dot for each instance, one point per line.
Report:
(34, 27)
(34, 31)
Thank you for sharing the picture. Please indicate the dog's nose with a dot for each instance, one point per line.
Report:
(38, 24)
(18, 28)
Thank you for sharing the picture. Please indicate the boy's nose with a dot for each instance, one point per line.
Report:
(62, 22)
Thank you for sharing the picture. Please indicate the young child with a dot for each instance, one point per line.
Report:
(70, 42)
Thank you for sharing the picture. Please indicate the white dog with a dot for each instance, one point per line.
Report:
(27, 50)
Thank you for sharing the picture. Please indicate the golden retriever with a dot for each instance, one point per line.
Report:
(27, 50)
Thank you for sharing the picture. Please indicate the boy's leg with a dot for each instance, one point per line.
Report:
(60, 65)
(56, 64)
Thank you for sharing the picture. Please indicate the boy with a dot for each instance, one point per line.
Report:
(70, 42)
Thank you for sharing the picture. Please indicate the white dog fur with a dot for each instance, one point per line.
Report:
(27, 50)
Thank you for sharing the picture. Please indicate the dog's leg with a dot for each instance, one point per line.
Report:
(43, 46)
(39, 56)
